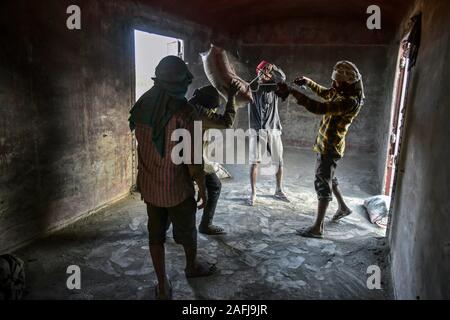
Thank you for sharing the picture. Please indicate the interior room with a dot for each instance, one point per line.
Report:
(69, 161)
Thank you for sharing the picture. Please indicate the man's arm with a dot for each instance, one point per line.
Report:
(321, 91)
(195, 170)
(210, 119)
(337, 106)
(198, 175)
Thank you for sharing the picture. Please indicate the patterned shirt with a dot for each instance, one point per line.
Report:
(338, 112)
(161, 182)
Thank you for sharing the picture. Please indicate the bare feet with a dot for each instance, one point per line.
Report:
(201, 269)
(164, 293)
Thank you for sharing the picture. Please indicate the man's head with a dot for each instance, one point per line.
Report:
(207, 97)
(173, 75)
(264, 69)
(346, 76)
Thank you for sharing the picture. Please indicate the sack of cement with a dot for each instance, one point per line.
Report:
(377, 207)
(220, 72)
(12, 277)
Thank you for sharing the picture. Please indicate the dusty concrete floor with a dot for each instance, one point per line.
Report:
(259, 258)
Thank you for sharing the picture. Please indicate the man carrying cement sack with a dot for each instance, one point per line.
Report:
(343, 102)
(206, 101)
(265, 127)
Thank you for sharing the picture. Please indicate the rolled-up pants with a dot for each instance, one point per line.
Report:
(325, 179)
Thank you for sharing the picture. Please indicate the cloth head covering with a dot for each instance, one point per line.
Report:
(346, 71)
(163, 100)
(207, 97)
(261, 66)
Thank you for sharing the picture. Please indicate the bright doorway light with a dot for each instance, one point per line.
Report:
(150, 48)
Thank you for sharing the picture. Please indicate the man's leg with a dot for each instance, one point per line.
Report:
(343, 209)
(279, 177)
(276, 151)
(157, 220)
(253, 176)
(254, 157)
(325, 166)
(185, 233)
(213, 187)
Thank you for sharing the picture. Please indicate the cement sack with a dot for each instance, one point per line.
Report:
(220, 72)
(378, 208)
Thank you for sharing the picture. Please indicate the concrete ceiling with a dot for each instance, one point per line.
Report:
(233, 15)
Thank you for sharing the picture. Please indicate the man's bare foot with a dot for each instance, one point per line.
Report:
(280, 195)
(166, 293)
(201, 269)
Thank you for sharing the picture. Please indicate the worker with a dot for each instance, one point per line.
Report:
(342, 104)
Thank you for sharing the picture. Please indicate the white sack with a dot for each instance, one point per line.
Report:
(220, 72)
(377, 207)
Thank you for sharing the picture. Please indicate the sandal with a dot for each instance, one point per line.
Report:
(251, 200)
(203, 269)
(307, 233)
(167, 296)
(341, 214)
(211, 230)
(281, 196)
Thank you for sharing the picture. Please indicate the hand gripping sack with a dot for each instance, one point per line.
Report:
(220, 72)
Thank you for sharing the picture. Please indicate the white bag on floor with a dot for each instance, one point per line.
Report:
(377, 207)
(220, 72)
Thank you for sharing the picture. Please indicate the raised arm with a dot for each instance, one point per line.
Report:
(336, 106)
(321, 91)
(210, 119)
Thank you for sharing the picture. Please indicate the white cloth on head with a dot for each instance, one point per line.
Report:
(346, 71)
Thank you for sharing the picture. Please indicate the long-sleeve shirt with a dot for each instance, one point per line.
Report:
(338, 109)
(212, 120)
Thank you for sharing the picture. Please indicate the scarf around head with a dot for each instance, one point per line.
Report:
(346, 71)
(157, 106)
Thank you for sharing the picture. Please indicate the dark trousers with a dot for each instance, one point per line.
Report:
(182, 217)
(213, 188)
(325, 179)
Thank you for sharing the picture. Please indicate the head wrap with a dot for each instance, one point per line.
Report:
(261, 66)
(207, 97)
(165, 98)
(346, 71)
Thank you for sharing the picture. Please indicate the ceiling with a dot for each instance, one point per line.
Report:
(233, 15)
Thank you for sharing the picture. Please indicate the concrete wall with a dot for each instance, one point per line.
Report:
(65, 146)
(311, 48)
(420, 237)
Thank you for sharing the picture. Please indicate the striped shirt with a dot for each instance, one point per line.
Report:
(338, 112)
(161, 182)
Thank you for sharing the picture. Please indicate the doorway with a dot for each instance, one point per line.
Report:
(150, 48)
(397, 115)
